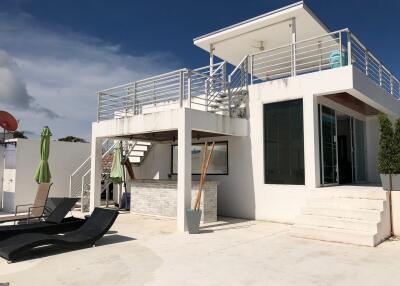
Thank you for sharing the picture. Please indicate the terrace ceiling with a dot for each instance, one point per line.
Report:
(272, 29)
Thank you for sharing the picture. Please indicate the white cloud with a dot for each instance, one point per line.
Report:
(50, 76)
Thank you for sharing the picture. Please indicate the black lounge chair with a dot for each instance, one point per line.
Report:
(92, 230)
(54, 223)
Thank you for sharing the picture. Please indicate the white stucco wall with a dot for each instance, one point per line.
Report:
(64, 158)
(243, 193)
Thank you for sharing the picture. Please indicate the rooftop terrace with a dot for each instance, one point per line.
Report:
(213, 89)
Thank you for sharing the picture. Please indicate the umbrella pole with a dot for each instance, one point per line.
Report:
(124, 175)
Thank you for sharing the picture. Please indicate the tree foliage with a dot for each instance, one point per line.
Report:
(386, 152)
(72, 139)
(19, 134)
(396, 147)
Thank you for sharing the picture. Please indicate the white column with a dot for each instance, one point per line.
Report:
(311, 141)
(95, 172)
(211, 58)
(184, 169)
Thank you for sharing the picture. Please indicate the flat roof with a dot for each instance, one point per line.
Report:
(270, 30)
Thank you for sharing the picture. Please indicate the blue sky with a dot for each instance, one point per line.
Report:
(55, 54)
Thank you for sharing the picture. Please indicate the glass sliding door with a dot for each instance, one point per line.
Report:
(359, 150)
(328, 146)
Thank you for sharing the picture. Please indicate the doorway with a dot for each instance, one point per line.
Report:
(345, 156)
(342, 148)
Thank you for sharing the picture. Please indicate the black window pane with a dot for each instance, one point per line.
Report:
(284, 143)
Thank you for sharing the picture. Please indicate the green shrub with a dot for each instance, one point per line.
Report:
(396, 147)
(386, 151)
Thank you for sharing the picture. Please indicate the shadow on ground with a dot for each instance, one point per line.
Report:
(50, 250)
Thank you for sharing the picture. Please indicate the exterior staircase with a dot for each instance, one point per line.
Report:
(345, 215)
(80, 178)
(138, 151)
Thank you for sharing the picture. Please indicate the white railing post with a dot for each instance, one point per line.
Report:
(181, 86)
(340, 49)
(366, 61)
(380, 74)
(134, 99)
(251, 68)
(391, 84)
(292, 60)
(189, 75)
(349, 51)
(320, 55)
(207, 87)
(98, 106)
(154, 93)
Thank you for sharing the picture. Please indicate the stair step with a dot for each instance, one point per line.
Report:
(135, 159)
(336, 222)
(345, 193)
(346, 203)
(143, 143)
(140, 148)
(334, 234)
(136, 153)
(369, 215)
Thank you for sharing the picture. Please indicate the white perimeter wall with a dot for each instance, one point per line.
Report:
(64, 158)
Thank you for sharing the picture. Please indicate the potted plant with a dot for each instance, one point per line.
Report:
(389, 153)
(193, 216)
(389, 162)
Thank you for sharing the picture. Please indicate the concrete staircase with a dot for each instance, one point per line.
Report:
(138, 151)
(80, 178)
(357, 216)
(220, 103)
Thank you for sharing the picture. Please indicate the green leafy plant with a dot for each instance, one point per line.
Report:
(386, 151)
(72, 139)
(396, 147)
(19, 134)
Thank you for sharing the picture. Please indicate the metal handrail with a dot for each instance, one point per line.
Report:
(311, 55)
(245, 58)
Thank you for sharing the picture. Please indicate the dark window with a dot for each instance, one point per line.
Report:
(284, 143)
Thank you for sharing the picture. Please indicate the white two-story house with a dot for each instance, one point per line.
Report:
(292, 107)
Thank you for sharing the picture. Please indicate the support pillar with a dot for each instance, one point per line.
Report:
(95, 172)
(211, 58)
(184, 170)
(311, 141)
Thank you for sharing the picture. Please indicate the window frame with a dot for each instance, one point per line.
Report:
(266, 182)
(225, 142)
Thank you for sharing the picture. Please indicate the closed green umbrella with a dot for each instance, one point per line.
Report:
(43, 172)
(117, 169)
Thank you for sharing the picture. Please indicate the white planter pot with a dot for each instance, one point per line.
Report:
(386, 182)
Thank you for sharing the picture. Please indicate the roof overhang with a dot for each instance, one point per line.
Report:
(266, 32)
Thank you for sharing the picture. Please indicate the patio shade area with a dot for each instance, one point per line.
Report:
(265, 32)
(141, 250)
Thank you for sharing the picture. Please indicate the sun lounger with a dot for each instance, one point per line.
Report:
(54, 223)
(92, 230)
(35, 210)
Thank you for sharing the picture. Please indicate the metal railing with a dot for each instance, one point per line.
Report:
(81, 175)
(314, 54)
(238, 81)
(372, 67)
(208, 91)
(205, 88)
(324, 52)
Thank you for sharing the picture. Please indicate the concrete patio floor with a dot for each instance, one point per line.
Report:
(142, 250)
